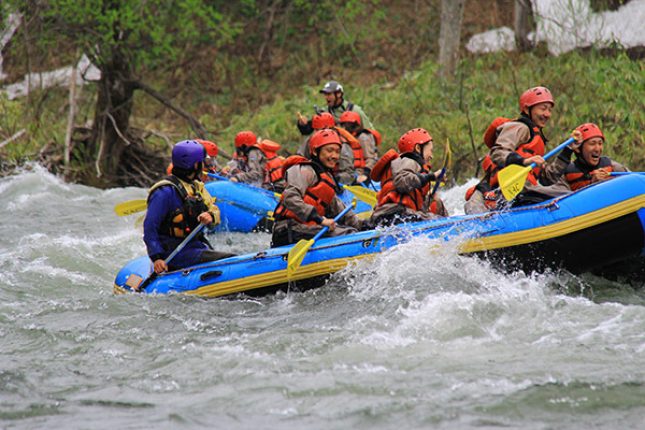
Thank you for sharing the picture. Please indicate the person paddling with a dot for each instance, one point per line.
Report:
(210, 162)
(364, 148)
(256, 161)
(589, 167)
(405, 182)
(319, 121)
(309, 201)
(176, 206)
(521, 142)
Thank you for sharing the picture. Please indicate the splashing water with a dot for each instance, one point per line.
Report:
(418, 337)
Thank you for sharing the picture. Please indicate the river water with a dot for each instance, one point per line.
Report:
(418, 338)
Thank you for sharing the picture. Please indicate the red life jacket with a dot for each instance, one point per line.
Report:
(357, 149)
(534, 146)
(378, 138)
(578, 174)
(382, 171)
(319, 195)
(359, 155)
(273, 167)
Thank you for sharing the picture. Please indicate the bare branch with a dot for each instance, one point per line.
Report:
(197, 127)
(12, 138)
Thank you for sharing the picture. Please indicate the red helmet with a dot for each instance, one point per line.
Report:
(534, 96)
(412, 138)
(350, 116)
(211, 147)
(590, 130)
(323, 120)
(321, 138)
(245, 138)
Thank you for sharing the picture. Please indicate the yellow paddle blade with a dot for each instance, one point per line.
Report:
(364, 194)
(296, 255)
(448, 158)
(364, 215)
(130, 207)
(511, 180)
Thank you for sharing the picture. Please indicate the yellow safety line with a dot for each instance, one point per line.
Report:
(474, 245)
(321, 268)
(554, 230)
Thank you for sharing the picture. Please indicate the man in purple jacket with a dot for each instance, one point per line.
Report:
(176, 206)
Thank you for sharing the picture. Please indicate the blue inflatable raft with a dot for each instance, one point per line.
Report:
(245, 208)
(596, 226)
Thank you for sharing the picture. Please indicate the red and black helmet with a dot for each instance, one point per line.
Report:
(321, 138)
(245, 138)
(534, 96)
(412, 138)
(350, 117)
(590, 130)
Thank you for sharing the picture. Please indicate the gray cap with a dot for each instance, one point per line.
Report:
(331, 87)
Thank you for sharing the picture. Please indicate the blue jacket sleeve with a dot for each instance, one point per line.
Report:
(159, 205)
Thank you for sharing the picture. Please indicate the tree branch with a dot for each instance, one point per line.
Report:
(197, 127)
(12, 138)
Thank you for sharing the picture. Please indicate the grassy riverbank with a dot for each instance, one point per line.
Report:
(588, 86)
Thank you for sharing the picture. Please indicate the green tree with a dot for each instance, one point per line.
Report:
(124, 38)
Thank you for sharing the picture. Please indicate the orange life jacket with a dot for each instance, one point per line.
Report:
(578, 175)
(273, 168)
(357, 149)
(382, 171)
(359, 155)
(319, 195)
(534, 146)
(378, 138)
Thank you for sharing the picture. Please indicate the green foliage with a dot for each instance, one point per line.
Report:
(204, 55)
(144, 33)
(588, 88)
(42, 120)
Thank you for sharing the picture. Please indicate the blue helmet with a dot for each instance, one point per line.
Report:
(186, 153)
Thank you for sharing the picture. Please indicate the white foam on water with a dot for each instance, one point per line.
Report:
(41, 267)
(416, 337)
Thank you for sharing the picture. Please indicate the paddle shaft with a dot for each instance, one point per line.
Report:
(443, 169)
(172, 255)
(438, 181)
(336, 219)
(216, 176)
(184, 242)
(625, 173)
(555, 150)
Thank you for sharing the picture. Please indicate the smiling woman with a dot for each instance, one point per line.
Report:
(310, 202)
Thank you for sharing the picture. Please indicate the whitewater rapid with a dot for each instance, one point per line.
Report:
(420, 337)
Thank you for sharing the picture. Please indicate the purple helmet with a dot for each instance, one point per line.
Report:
(186, 153)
